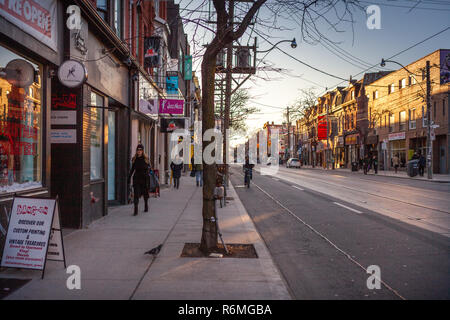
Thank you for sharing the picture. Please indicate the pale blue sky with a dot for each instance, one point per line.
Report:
(401, 27)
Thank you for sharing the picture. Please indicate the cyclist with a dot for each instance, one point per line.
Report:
(247, 167)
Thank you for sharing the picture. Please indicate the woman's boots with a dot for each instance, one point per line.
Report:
(135, 210)
(146, 206)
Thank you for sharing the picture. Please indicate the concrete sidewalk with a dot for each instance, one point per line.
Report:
(443, 178)
(110, 254)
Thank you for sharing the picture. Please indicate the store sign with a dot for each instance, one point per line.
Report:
(151, 52)
(351, 139)
(72, 73)
(396, 136)
(322, 128)
(172, 124)
(149, 106)
(31, 233)
(188, 68)
(172, 82)
(37, 18)
(63, 136)
(171, 106)
(63, 117)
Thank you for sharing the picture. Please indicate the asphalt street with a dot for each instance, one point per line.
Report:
(323, 244)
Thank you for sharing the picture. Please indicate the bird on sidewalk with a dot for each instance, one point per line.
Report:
(154, 251)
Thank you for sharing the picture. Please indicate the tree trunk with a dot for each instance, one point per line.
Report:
(209, 231)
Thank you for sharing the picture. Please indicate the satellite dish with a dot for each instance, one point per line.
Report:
(19, 73)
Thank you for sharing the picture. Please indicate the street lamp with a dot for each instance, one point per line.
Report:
(293, 45)
(428, 99)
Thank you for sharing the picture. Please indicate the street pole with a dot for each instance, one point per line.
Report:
(228, 92)
(429, 142)
(288, 133)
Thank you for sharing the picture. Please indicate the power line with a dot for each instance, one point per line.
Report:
(395, 55)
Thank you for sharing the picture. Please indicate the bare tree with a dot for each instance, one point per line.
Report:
(308, 14)
(306, 101)
(239, 110)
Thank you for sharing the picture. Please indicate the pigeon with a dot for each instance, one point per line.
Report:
(154, 251)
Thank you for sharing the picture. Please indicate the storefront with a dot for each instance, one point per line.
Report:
(351, 149)
(88, 172)
(397, 146)
(28, 53)
(339, 152)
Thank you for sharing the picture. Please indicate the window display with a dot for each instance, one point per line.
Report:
(20, 122)
(96, 137)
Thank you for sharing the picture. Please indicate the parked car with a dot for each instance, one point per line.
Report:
(293, 163)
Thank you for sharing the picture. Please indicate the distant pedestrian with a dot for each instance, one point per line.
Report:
(396, 162)
(140, 169)
(366, 162)
(375, 164)
(199, 174)
(176, 171)
(422, 164)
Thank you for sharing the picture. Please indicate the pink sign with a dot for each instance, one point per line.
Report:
(171, 106)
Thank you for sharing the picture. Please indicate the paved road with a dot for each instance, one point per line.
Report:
(323, 244)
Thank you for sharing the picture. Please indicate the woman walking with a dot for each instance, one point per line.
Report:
(176, 172)
(141, 179)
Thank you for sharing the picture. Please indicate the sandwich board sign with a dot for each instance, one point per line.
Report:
(34, 234)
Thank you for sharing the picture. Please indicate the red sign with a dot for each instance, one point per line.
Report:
(64, 101)
(322, 128)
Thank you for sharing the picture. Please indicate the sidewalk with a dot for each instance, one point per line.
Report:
(443, 178)
(110, 254)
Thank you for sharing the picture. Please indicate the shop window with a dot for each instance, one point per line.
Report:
(402, 120)
(20, 124)
(96, 120)
(412, 119)
(398, 148)
(111, 155)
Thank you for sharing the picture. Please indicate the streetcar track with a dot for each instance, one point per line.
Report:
(331, 243)
(370, 193)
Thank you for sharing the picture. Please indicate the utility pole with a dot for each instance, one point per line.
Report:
(229, 75)
(288, 133)
(429, 142)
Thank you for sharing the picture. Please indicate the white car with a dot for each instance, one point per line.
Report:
(293, 163)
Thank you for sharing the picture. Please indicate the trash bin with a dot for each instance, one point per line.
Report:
(413, 168)
(354, 166)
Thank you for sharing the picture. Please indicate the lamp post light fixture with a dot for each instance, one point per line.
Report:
(293, 45)
(427, 93)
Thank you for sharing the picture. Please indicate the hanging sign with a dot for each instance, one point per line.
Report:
(32, 229)
(171, 106)
(322, 128)
(72, 73)
(187, 67)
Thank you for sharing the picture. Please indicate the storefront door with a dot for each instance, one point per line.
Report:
(111, 155)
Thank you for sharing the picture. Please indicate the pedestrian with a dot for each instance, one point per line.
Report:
(375, 164)
(176, 171)
(396, 162)
(199, 174)
(422, 164)
(366, 164)
(140, 169)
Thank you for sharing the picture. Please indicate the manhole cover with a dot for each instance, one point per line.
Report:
(8, 285)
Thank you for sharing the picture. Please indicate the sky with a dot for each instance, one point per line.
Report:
(401, 25)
